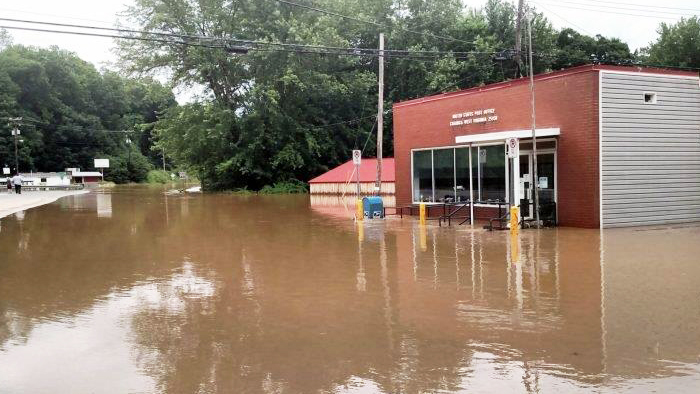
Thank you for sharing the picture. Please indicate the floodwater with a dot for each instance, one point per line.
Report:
(135, 291)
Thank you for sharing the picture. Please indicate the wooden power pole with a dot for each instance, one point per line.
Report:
(380, 115)
(518, 39)
(535, 180)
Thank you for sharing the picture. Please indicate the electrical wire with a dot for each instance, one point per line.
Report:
(320, 10)
(565, 20)
(224, 42)
(645, 5)
(623, 8)
(607, 12)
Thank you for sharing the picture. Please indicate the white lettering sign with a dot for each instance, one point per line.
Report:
(486, 115)
(101, 163)
(513, 147)
(357, 157)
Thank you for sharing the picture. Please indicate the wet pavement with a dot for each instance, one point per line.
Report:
(134, 291)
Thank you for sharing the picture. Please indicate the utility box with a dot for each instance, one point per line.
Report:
(373, 207)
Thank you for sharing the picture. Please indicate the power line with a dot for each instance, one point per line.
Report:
(645, 5)
(608, 12)
(624, 8)
(320, 10)
(55, 16)
(221, 42)
(565, 20)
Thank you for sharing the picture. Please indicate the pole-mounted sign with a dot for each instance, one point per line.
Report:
(357, 160)
(512, 147)
(356, 157)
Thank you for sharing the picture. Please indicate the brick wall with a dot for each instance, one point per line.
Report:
(568, 101)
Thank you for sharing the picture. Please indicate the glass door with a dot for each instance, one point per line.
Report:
(526, 185)
(546, 186)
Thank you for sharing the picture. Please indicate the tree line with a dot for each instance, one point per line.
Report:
(71, 114)
(282, 114)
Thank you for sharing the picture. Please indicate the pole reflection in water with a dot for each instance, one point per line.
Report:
(266, 294)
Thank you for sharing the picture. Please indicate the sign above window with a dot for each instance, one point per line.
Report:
(487, 115)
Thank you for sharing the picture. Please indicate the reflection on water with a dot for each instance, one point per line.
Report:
(219, 293)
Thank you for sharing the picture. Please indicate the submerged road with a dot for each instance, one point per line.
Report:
(11, 203)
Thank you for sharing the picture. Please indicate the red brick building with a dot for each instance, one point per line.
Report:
(643, 123)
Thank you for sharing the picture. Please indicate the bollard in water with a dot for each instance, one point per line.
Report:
(422, 213)
(359, 210)
(514, 219)
(423, 238)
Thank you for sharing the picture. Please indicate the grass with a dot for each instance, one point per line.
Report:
(288, 187)
(158, 177)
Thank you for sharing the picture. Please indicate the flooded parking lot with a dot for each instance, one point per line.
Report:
(135, 291)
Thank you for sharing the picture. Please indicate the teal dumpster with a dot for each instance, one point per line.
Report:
(373, 207)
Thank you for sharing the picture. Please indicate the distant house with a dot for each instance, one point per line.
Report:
(342, 180)
(86, 177)
(45, 179)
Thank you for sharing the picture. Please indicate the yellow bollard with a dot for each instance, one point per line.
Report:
(514, 248)
(422, 213)
(359, 210)
(423, 239)
(514, 219)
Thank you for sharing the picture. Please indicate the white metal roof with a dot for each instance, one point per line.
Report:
(87, 173)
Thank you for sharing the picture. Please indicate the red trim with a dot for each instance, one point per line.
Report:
(545, 76)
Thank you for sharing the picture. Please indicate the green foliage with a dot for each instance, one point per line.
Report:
(128, 166)
(288, 187)
(678, 45)
(158, 177)
(67, 105)
(275, 116)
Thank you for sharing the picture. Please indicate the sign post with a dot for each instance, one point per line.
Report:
(102, 164)
(513, 147)
(357, 160)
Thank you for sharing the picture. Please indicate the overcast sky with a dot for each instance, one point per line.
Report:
(633, 21)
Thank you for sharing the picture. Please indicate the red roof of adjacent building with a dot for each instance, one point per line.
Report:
(368, 172)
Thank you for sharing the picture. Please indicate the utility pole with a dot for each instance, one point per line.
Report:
(380, 115)
(535, 179)
(518, 40)
(15, 134)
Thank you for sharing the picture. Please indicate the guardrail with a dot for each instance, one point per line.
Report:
(55, 187)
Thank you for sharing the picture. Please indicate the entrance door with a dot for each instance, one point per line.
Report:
(526, 185)
(545, 182)
(546, 174)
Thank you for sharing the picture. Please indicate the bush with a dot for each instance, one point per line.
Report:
(288, 187)
(158, 176)
(126, 167)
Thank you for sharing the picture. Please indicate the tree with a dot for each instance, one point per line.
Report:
(277, 115)
(66, 106)
(678, 45)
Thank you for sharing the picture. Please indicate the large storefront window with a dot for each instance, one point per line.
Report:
(423, 176)
(444, 172)
(441, 175)
(492, 163)
(462, 174)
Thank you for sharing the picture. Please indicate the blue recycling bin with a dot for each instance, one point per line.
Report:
(373, 207)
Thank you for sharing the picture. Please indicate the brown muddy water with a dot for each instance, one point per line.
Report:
(133, 291)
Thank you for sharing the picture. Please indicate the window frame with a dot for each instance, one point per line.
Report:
(476, 145)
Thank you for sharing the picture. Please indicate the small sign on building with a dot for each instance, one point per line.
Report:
(357, 157)
(6, 171)
(101, 163)
(512, 147)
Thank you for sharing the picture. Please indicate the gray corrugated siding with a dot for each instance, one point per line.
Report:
(650, 152)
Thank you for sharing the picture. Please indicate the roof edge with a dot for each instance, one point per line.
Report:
(548, 75)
